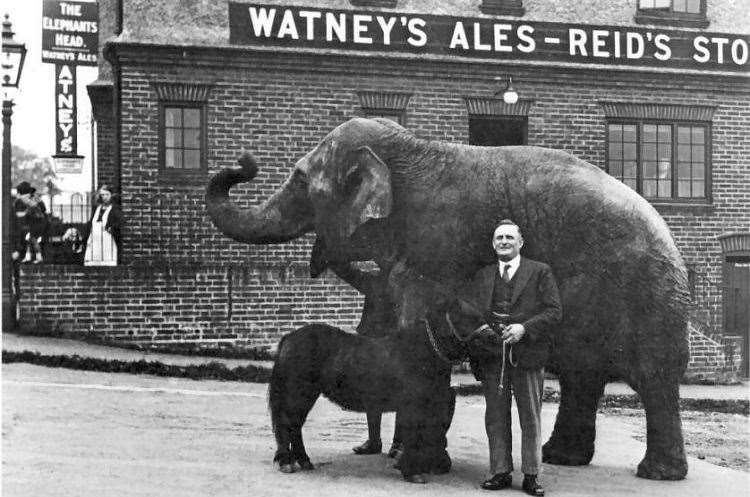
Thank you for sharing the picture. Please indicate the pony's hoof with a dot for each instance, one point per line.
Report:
(369, 447)
(286, 468)
(306, 465)
(416, 478)
(396, 450)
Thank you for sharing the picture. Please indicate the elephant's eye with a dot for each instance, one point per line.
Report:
(352, 181)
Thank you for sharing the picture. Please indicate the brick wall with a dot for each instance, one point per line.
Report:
(184, 281)
(252, 304)
(711, 361)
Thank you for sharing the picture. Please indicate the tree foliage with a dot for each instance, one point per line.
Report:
(38, 171)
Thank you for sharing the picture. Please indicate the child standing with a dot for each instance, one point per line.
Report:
(30, 224)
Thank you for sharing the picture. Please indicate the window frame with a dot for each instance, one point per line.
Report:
(502, 7)
(202, 170)
(674, 198)
(669, 17)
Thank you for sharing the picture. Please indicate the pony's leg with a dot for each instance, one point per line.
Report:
(373, 445)
(441, 461)
(298, 418)
(282, 433)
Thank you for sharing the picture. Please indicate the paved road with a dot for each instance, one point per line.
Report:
(73, 433)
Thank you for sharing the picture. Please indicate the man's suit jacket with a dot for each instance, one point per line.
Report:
(535, 303)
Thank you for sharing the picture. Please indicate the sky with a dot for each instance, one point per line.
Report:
(33, 118)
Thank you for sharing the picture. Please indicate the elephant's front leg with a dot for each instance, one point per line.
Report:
(665, 451)
(572, 440)
(438, 410)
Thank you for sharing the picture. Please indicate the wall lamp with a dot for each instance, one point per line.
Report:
(509, 94)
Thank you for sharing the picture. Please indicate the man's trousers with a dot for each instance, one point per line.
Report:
(527, 386)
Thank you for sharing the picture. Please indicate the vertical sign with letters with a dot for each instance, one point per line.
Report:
(66, 136)
(70, 38)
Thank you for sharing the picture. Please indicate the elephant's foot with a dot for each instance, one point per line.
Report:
(566, 454)
(572, 440)
(441, 464)
(662, 467)
(665, 449)
(416, 478)
(285, 462)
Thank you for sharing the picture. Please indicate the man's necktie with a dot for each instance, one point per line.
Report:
(506, 273)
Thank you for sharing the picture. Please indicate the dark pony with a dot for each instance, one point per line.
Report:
(408, 372)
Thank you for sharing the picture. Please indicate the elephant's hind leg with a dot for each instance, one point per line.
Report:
(572, 440)
(665, 451)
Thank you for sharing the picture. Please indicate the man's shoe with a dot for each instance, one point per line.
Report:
(497, 482)
(531, 486)
(369, 447)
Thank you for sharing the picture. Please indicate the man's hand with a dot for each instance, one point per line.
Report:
(484, 342)
(513, 333)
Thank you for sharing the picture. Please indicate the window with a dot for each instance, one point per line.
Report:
(688, 13)
(183, 137)
(660, 160)
(182, 128)
(497, 131)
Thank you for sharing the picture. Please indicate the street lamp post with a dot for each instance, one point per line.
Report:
(11, 63)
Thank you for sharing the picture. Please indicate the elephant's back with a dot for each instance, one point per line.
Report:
(581, 201)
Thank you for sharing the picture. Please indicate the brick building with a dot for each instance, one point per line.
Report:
(654, 91)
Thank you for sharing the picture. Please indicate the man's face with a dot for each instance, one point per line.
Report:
(507, 242)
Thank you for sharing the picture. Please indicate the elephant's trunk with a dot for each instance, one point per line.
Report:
(286, 215)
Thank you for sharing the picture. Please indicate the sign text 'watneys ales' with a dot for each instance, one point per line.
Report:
(499, 39)
(70, 32)
(66, 130)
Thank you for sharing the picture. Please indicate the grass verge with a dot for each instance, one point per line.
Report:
(208, 371)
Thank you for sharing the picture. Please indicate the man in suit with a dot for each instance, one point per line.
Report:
(521, 303)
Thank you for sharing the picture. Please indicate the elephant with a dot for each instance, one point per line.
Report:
(371, 187)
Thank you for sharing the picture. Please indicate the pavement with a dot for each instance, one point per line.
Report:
(61, 346)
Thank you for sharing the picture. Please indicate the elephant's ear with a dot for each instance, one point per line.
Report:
(367, 187)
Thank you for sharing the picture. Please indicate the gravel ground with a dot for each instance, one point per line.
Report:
(717, 438)
(84, 433)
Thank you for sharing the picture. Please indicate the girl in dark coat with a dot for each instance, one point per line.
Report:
(30, 224)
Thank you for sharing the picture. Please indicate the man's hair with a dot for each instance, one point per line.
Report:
(508, 222)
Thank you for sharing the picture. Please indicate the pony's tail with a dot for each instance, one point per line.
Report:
(277, 387)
